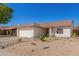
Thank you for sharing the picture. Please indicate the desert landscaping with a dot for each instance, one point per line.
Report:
(53, 47)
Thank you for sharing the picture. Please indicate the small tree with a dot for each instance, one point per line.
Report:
(5, 13)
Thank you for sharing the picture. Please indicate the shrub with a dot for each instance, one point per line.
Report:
(74, 34)
(43, 37)
(19, 39)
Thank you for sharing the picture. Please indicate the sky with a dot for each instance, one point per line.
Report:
(26, 13)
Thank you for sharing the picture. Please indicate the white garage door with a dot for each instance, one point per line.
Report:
(26, 33)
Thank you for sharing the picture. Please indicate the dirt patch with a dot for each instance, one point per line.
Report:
(56, 47)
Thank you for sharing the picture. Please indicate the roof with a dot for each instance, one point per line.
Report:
(57, 24)
(7, 27)
(67, 23)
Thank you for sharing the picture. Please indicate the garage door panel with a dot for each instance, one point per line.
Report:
(26, 33)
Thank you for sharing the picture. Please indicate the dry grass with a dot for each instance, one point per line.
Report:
(56, 47)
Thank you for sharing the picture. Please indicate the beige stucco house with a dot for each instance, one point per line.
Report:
(53, 29)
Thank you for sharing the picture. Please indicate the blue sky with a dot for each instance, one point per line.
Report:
(25, 13)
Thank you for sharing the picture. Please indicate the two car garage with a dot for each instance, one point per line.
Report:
(25, 32)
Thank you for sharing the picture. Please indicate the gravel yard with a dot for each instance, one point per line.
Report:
(5, 42)
(62, 47)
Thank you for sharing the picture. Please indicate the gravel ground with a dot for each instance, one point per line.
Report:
(4, 53)
(62, 47)
(4, 41)
(58, 47)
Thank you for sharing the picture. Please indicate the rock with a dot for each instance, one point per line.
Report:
(45, 47)
(70, 40)
(33, 50)
(33, 43)
(2, 47)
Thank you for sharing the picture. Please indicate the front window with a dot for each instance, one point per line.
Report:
(60, 30)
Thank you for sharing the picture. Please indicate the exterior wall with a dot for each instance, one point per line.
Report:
(39, 31)
(66, 33)
(31, 32)
(17, 32)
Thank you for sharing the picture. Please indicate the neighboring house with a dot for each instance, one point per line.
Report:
(53, 29)
(8, 30)
(76, 30)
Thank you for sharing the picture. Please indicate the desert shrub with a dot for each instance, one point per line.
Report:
(43, 37)
(75, 34)
(19, 39)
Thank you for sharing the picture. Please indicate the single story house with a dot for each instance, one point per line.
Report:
(53, 29)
